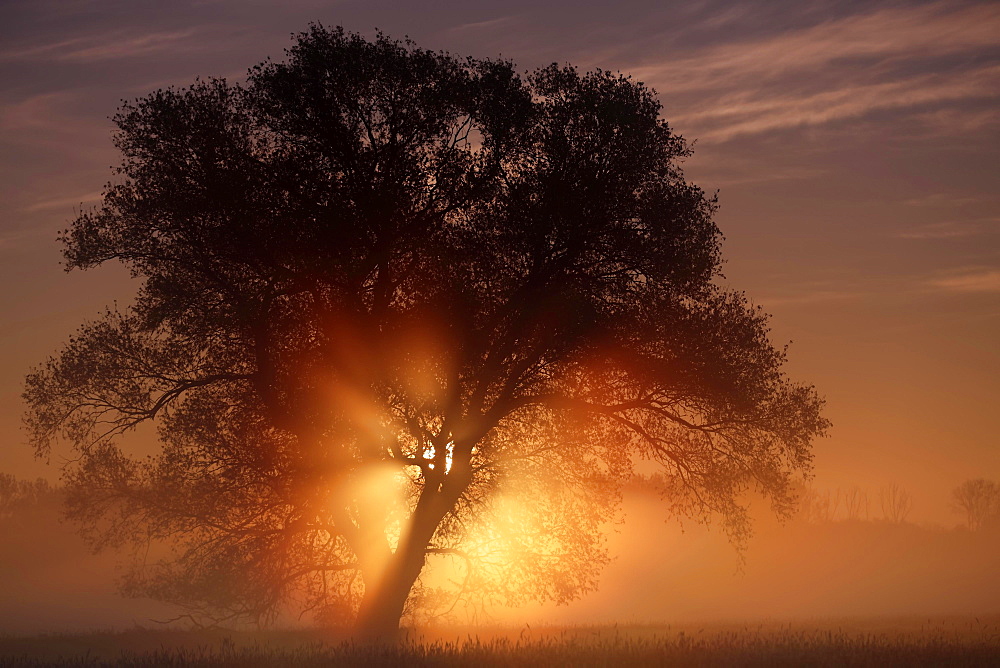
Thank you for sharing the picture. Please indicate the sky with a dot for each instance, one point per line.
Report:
(854, 146)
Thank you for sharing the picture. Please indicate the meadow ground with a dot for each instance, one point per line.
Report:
(952, 641)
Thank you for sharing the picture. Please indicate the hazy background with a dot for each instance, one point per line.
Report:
(854, 146)
(810, 568)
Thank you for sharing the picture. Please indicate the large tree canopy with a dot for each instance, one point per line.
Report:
(398, 310)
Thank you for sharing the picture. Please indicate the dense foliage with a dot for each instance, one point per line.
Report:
(400, 308)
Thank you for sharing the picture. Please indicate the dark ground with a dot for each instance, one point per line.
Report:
(958, 641)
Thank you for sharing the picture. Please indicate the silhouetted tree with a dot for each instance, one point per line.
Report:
(856, 503)
(896, 503)
(17, 494)
(978, 500)
(399, 306)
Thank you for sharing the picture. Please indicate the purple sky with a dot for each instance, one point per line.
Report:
(854, 146)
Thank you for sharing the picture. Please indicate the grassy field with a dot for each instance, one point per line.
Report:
(953, 641)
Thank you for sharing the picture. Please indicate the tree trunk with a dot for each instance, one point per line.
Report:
(382, 607)
(385, 597)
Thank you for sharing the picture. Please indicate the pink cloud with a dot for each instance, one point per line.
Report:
(987, 280)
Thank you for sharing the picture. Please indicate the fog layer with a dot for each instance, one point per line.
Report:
(51, 582)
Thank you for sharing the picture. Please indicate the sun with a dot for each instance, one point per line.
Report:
(448, 456)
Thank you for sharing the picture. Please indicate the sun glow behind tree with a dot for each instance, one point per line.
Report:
(371, 343)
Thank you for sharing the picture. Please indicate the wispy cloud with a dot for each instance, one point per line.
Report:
(962, 120)
(751, 116)
(731, 170)
(13, 240)
(102, 47)
(945, 230)
(807, 298)
(786, 289)
(32, 112)
(490, 24)
(836, 70)
(950, 229)
(931, 30)
(942, 199)
(982, 280)
(49, 118)
(181, 81)
(63, 202)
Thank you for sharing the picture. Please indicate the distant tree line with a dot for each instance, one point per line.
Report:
(17, 494)
(976, 500)
(893, 504)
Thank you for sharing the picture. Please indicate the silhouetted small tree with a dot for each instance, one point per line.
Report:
(896, 503)
(856, 503)
(812, 505)
(399, 307)
(978, 500)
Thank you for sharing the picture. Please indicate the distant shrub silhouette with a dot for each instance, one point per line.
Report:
(979, 501)
(16, 494)
(896, 503)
